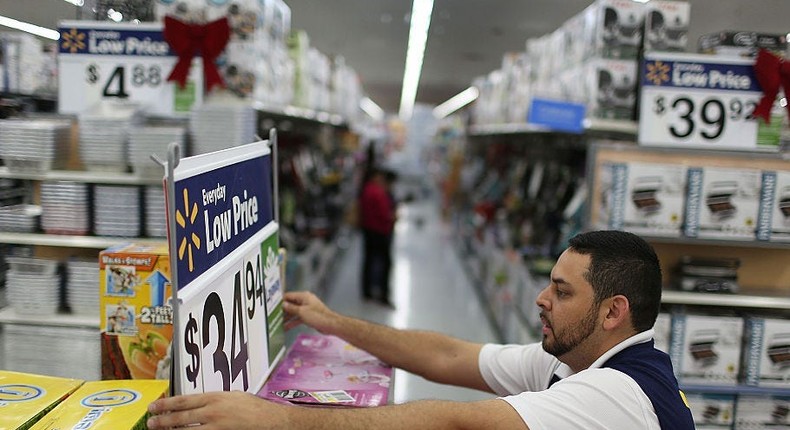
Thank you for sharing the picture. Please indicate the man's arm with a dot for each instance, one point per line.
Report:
(434, 356)
(241, 411)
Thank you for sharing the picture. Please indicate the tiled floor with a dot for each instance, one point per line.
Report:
(430, 291)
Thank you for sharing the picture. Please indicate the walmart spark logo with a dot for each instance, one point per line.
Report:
(658, 72)
(73, 41)
(189, 214)
(19, 393)
(110, 398)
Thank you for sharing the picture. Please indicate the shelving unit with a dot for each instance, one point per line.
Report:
(92, 177)
(9, 316)
(64, 241)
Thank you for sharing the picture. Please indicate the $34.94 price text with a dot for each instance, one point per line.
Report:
(248, 301)
(706, 119)
(114, 82)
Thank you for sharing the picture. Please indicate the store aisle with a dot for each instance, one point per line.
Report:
(429, 289)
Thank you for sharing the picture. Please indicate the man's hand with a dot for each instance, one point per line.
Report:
(304, 307)
(222, 410)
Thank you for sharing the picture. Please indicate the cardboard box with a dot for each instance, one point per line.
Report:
(663, 332)
(116, 405)
(714, 411)
(136, 316)
(742, 43)
(774, 218)
(706, 349)
(647, 198)
(762, 413)
(612, 88)
(722, 203)
(25, 398)
(766, 355)
(618, 28)
(666, 25)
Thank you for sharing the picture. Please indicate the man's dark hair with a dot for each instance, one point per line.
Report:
(623, 263)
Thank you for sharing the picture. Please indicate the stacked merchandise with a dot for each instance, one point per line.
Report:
(155, 213)
(33, 285)
(220, 126)
(34, 145)
(346, 90)
(116, 210)
(4, 251)
(82, 297)
(69, 352)
(591, 59)
(24, 68)
(104, 136)
(15, 214)
(255, 65)
(145, 141)
(65, 208)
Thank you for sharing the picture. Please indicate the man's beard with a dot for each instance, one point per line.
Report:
(565, 341)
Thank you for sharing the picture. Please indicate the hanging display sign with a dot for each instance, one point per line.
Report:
(557, 115)
(229, 327)
(701, 101)
(104, 61)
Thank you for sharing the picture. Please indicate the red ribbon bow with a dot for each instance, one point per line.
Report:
(189, 39)
(772, 72)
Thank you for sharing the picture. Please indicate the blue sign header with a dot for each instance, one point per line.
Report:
(217, 211)
(556, 115)
(143, 42)
(699, 75)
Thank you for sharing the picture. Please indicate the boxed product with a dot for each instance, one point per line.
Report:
(647, 198)
(774, 219)
(762, 413)
(663, 331)
(666, 25)
(135, 311)
(618, 28)
(612, 88)
(742, 43)
(712, 411)
(706, 349)
(25, 398)
(722, 203)
(766, 355)
(113, 405)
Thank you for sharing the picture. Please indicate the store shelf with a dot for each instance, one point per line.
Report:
(89, 242)
(294, 112)
(716, 242)
(85, 176)
(9, 316)
(594, 126)
(725, 300)
(736, 390)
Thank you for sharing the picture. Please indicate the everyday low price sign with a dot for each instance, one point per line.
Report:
(699, 101)
(230, 318)
(105, 60)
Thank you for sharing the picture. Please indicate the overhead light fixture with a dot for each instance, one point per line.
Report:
(115, 15)
(29, 28)
(371, 108)
(76, 2)
(456, 102)
(418, 34)
(641, 1)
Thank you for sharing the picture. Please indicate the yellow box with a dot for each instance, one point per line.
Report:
(25, 398)
(136, 316)
(110, 405)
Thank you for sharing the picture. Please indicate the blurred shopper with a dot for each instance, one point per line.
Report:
(377, 221)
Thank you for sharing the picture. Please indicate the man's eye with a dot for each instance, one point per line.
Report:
(561, 293)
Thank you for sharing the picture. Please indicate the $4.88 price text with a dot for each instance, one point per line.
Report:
(115, 81)
(217, 334)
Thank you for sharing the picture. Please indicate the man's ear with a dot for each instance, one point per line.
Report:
(617, 312)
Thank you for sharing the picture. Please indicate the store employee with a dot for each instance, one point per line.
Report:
(596, 367)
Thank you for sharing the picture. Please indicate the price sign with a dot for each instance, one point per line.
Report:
(695, 101)
(105, 61)
(229, 299)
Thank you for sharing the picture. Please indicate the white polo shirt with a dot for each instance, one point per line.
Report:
(593, 399)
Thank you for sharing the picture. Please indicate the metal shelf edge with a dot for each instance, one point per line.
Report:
(89, 242)
(9, 316)
(734, 300)
(83, 176)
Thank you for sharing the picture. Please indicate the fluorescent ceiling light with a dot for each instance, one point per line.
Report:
(456, 102)
(371, 108)
(418, 34)
(641, 1)
(76, 2)
(29, 28)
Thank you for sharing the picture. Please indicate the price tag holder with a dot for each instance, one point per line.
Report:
(109, 61)
(229, 317)
(699, 101)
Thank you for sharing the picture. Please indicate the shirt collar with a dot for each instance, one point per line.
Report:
(563, 370)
